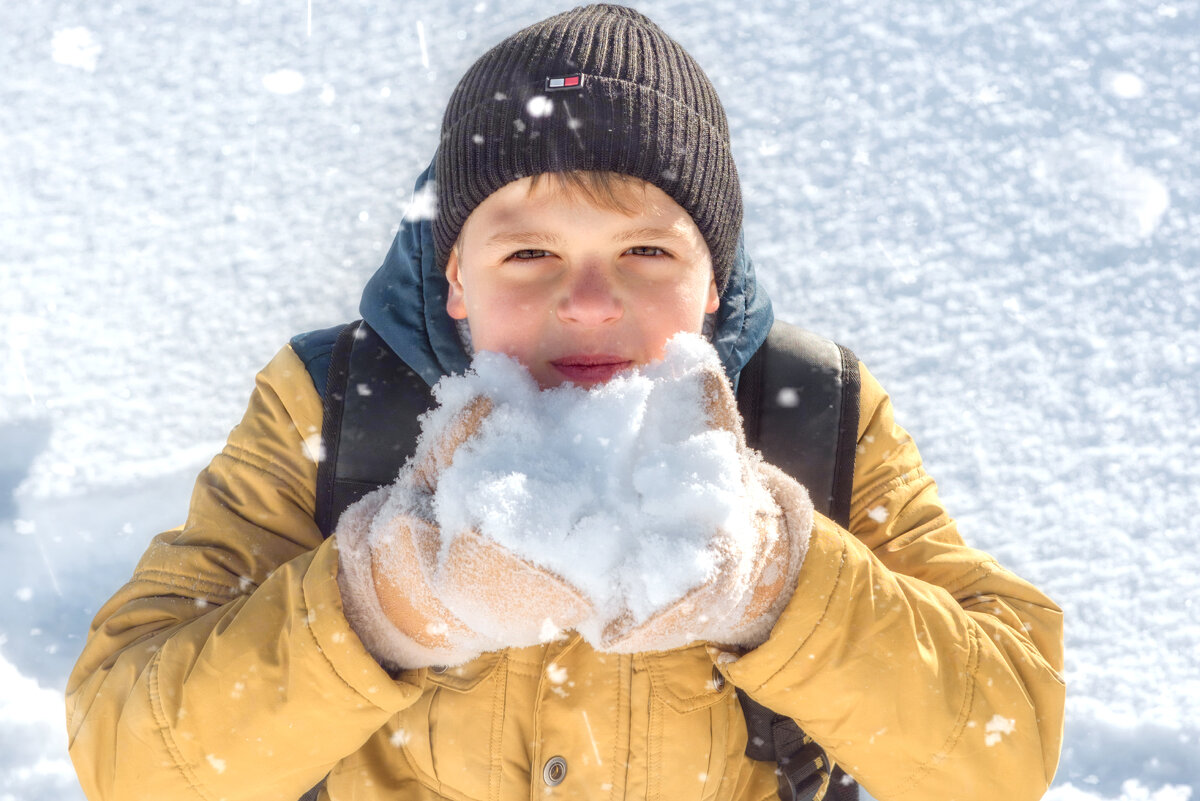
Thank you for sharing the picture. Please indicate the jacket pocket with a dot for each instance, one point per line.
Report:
(688, 733)
(449, 734)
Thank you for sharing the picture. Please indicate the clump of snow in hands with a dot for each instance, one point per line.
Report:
(618, 489)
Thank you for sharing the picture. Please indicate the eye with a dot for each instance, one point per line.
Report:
(646, 250)
(529, 254)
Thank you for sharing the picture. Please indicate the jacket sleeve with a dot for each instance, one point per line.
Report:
(225, 669)
(925, 669)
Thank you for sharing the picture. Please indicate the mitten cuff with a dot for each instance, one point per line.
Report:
(391, 647)
(795, 529)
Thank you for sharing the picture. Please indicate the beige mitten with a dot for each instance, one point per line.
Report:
(487, 585)
(386, 598)
(411, 607)
(752, 581)
(508, 596)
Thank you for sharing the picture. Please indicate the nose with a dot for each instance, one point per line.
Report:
(590, 298)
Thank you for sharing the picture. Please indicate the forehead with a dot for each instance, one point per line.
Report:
(551, 199)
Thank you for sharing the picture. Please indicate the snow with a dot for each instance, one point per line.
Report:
(283, 82)
(76, 47)
(971, 196)
(595, 485)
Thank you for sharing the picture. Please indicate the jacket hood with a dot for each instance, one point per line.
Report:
(405, 302)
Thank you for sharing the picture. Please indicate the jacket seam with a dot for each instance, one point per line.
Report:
(980, 570)
(259, 462)
(499, 697)
(164, 729)
(824, 614)
(422, 778)
(149, 575)
(892, 484)
(959, 725)
(328, 661)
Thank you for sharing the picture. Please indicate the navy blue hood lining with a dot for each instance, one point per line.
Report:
(405, 302)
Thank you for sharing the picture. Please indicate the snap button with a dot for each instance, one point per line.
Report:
(718, 680)
(555, 771)
(438, 669)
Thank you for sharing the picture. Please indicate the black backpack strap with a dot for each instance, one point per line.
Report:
(798, 396)
(337, 375)
(847, 442)
(804, 773)
(370, 425)
(799, 399)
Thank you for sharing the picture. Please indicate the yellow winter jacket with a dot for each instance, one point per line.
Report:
(225, 669)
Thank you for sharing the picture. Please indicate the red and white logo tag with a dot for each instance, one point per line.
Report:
(565, 82)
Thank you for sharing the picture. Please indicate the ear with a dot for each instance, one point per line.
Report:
(714, 297)
(456, 303)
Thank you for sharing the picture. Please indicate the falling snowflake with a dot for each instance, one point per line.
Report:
(423, 205)
(556, 674)
(539, 106)
(314, 449)
(997, 727)
(283, 82)
(75, 47)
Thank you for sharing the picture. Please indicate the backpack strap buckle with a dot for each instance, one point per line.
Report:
(803, 767)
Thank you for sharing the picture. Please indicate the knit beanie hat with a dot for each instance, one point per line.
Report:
(600, 87)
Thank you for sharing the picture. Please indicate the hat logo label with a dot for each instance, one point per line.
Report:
(566, 82)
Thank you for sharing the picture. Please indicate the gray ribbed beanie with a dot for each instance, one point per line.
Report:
(600, 87)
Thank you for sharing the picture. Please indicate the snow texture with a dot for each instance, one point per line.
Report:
(994, 204)
(618, 489)
(569, 508)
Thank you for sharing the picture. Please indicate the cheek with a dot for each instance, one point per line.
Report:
(668, 314)
(508, 323)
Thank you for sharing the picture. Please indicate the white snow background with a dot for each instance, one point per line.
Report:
(993, 204)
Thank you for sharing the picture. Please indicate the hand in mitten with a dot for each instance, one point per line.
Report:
(413, 608)
(490, 587)
(753, 576)
(386, 599)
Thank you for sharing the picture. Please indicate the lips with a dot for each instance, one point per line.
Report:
(590, 368)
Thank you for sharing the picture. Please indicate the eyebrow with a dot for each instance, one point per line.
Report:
(524, 238)
(648, 233)
(545, 238)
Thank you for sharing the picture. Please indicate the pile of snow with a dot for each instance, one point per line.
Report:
(626, 490)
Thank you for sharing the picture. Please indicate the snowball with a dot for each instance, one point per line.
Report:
(619, 489)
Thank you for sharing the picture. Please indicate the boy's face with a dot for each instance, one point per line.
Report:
(574, 291)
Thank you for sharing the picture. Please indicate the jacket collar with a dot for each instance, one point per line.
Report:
(405, 302)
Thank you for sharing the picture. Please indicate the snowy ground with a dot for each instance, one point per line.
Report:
(994, 205)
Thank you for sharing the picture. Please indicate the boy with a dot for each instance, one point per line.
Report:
(588, 210)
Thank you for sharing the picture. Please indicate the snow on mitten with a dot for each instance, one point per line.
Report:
(434, 454)
(754, 576)
(384, 544)
(495, 590)
(505, 594)
(386, 599)
(415, 603)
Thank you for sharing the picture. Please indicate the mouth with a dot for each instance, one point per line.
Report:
(590, 368)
